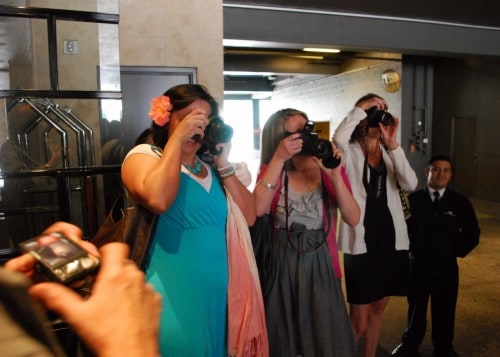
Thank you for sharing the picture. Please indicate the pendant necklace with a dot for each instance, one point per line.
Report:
(195, 169)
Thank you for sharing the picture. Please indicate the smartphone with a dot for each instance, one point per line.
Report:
(60, 259)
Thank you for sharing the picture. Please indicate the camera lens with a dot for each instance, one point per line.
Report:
(386, 119)
(331, 162)
(225, 134)
(216, 132)
(323, 149)
(324, 152)
(378, 116)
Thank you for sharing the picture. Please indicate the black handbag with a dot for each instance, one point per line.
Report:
(135, 225)
(262, 236)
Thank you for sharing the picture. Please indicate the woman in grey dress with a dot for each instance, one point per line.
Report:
(305, 309)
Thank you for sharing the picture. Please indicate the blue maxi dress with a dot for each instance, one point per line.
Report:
(188, 267)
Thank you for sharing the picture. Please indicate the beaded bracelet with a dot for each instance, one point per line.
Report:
(229, 172)
(226, 170)
(267, 184)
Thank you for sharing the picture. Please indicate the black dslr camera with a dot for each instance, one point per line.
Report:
(379, 116)
(315, 146)
(216, 132)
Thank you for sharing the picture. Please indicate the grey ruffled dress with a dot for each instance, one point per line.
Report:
(305, 308)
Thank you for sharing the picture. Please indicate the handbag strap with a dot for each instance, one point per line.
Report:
(403, 195)
(404, 200)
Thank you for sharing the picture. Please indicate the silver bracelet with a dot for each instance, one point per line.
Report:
(267, 184)
(225, 168)
(228, 172)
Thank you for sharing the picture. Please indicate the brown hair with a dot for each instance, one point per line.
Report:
(359, 131)
(181, 96)
(274, 131)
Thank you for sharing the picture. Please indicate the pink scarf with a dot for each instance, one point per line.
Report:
(247, 335)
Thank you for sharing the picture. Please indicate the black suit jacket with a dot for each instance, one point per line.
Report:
(439, 235)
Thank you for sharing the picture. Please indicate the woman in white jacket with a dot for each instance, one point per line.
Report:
(376, 249)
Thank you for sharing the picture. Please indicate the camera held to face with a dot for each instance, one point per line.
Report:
(379, 116)
(216, 132)
(315, 146)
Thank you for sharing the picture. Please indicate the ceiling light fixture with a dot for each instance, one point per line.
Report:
(323, 50)
(309, 57)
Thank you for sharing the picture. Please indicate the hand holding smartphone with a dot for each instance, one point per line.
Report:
(62, 260)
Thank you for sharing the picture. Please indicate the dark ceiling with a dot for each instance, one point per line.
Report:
(263, 46)
(477, 12)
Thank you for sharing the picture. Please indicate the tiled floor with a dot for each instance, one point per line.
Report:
(477, 326)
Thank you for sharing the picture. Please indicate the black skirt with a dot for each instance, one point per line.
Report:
(382, 270)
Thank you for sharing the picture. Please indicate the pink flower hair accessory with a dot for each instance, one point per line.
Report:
(160, 110)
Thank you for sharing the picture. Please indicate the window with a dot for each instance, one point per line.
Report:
(247, 118)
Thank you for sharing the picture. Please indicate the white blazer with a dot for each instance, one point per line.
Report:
(352, 239)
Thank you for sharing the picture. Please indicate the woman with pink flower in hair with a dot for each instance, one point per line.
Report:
(212, 300)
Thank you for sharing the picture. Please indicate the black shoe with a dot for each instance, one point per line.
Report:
(451, 353)
(405, 351)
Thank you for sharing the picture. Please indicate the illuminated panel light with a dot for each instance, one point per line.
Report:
(323, 50)
(309, 57)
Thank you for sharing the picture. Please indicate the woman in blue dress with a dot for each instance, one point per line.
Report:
(188, 260)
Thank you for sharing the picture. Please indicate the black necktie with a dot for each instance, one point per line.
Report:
(436, 199)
